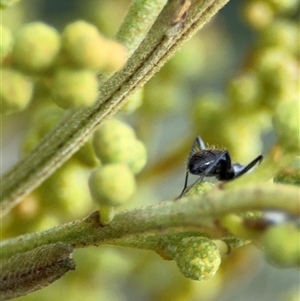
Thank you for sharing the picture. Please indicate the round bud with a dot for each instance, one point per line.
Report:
(67, 191)
(45, 118)
(166, 96)
(276, 68)
(242, 132)
(281, 244)
(117, 56)
(206, 110)
(283, 34)
(84, 45)
(112, 184)
(74, 88)
(258, 14)
(114, 142)
(137, 158)
(286, 124)
(111, 130)
(15, 91)
(244, 93)
(131, 152)
(198, 258)
(6, 42)
(36, 46)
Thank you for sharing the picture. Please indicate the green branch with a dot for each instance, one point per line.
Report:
(140, 17)
(177, 22)
(144, 227)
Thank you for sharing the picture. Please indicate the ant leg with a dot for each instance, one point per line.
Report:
(249, 166)
(206, 172)
(198, 144)
(185, 186)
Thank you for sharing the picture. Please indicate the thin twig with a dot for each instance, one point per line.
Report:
(196, 214)
(140, 17)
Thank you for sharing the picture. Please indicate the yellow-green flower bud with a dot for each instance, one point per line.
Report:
(117, 56)
(198, 258)
(241, 136)
(67, 191)
(6, 42)
(111, 130)
(36, 46)
(276, 67)
(258, 13)
(115, 142)
(45, 118)
(137, 159)
(15, 91)
(207, 107)
(281, 245)
(283, 34)
(112, 184)
(85, 46)
(161, 99)
(131, 152)
(206, 110)
(74, 88)
(244, 93)
(286, 124)
(216, 122)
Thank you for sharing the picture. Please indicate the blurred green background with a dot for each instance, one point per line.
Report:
(178, 104)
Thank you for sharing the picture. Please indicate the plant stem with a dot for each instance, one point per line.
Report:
(177, 22)
(140, 17)
(144, 227)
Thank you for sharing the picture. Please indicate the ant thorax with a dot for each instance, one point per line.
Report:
(201, 160)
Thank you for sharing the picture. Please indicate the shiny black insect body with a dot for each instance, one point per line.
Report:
(211, 162)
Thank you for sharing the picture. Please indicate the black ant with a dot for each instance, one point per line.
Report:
(211, 162)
